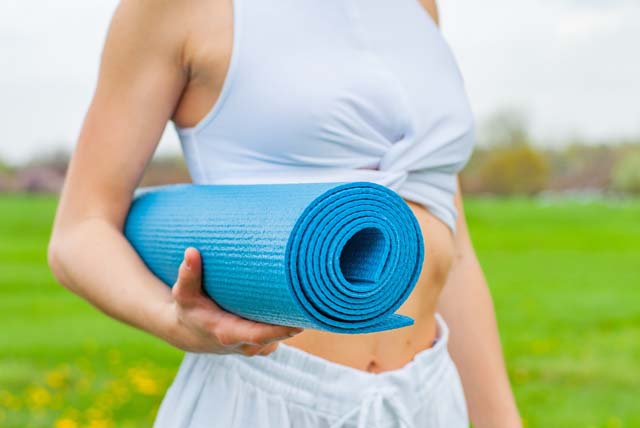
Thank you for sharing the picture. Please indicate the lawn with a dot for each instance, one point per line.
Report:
(565, 277)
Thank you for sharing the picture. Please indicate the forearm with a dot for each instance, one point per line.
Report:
(95, 261)
(467, 307)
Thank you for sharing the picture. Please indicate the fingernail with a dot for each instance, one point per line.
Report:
(295, 332)
(187, 263)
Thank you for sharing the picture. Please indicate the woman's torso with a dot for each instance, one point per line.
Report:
(343, 90)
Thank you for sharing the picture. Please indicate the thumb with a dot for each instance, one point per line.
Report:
(188, 286)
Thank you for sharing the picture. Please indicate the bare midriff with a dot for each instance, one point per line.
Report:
(390, 350)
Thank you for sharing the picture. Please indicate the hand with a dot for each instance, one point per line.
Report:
(199, 325)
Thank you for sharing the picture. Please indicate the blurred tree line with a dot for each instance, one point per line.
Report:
(506, 161)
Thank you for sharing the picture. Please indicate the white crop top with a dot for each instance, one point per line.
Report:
(336, 91)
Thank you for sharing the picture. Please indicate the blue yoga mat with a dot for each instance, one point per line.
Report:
(340, 257)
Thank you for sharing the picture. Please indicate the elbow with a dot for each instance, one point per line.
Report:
(55, 259)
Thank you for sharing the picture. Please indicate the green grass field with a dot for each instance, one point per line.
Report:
(565, 278)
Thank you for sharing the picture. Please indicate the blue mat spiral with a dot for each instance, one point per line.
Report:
(340, 257)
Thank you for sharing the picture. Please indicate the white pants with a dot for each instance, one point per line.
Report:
(291, 388)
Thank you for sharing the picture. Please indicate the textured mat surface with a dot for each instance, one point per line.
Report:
(329, 256)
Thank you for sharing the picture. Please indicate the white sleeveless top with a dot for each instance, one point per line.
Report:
(336, 91)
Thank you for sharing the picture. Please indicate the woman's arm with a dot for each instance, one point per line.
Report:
(142, 76)
(474, 344)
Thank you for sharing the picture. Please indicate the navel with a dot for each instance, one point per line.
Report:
(373, 366)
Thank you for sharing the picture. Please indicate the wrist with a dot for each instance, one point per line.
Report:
(162, 321)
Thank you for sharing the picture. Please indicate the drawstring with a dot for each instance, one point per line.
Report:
(375, 400)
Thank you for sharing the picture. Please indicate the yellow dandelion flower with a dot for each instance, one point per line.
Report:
(100, 423)
(66, 423)
(38, 397)
(146, 385)
(142, 381)
(94, 413)
(57, 378)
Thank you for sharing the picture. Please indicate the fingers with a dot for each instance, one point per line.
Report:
(188, 286)
(232, 330)
(269, 349)
(253, 350)
(233, 333)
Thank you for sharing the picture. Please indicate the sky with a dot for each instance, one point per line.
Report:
(571, 67)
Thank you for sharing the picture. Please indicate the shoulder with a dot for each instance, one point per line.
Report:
(170, 14)
(161, 24)
(155, 20)
(170, 25)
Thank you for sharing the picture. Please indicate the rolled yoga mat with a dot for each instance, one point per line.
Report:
(328, 256)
